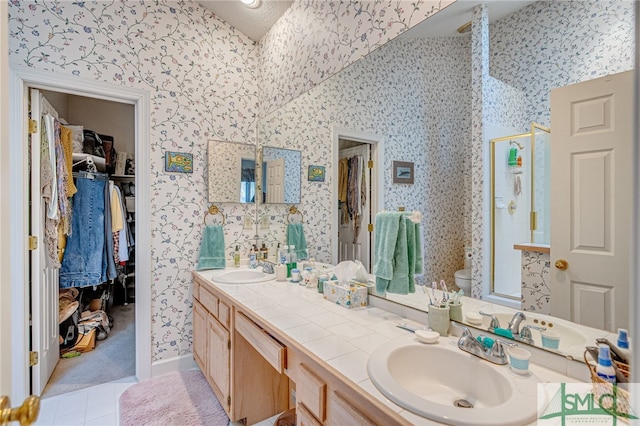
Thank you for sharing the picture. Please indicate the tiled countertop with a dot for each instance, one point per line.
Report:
(343, 338)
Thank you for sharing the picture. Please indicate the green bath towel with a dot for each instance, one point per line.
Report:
(398, 253)
(212, 249)
(386, 226)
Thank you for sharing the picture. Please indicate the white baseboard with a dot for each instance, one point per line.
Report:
(179, 363)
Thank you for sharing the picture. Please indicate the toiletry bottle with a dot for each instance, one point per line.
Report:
(293, 257)
(252, 258)
(279, 255)
(623, 342)
(284, 258)
(323, 278)
(265, 252)
(604, 368)
(236, 257)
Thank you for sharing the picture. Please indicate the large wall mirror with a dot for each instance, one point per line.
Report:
(415, 92)
(232, 172)
(281, 175)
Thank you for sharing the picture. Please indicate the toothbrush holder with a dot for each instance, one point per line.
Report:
(438, 318)
(455, 311)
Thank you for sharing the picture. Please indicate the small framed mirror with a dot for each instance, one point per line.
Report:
(232, 172)
(281, 175)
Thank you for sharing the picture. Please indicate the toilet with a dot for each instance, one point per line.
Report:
(463, 276)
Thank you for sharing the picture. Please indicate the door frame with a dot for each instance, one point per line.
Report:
(377, 179)
(20, 80)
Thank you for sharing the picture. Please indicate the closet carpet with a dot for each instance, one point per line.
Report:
(182, 398)
(112, 359)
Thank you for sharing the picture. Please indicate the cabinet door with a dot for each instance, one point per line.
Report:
(200, 335)
(344, 412)
(218, 360)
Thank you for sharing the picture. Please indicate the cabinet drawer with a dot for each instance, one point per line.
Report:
(311, 391)
(270, 349)
(344, 412)
(209, 301)
(224, 314)
(304, 416)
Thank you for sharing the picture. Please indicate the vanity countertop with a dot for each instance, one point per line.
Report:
(342, 338)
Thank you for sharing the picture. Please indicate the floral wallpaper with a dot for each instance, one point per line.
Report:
(536, 280)
(423, 117)
(202, 76)
(317, 38)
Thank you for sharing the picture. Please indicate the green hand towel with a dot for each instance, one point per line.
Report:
(295, 237)
(386, 226)
(212, 249)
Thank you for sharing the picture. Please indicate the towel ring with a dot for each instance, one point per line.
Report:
(213, 210)
(294, 210)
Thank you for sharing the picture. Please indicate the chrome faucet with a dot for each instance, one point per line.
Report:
(267, 267)
(514, 324)
(525, 333)
(495, 323)
(494, 354)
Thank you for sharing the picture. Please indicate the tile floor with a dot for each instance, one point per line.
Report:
(93, 406)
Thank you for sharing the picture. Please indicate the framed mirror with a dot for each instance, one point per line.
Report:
(232, 172)
(281, 175)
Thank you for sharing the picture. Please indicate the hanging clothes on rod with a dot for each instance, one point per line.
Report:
(85, 258)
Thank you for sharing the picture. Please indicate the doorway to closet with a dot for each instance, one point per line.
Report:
(356, 195)
(86, 332)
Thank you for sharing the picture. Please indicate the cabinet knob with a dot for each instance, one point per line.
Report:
(562, 264)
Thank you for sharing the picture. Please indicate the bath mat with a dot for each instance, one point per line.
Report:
(183, 398)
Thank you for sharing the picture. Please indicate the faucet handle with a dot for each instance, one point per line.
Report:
(525, 333)
(495, 323)
(498, 348)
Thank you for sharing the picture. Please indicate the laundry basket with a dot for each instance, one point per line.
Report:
(604, 392)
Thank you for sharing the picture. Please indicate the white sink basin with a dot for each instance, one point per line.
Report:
(433, 381)
(569, 337)
(240, 276)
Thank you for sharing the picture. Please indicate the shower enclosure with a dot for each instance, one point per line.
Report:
(520, 194)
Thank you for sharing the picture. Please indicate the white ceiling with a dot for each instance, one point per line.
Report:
(253, 22)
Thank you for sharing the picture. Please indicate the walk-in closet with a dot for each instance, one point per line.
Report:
(83, 223)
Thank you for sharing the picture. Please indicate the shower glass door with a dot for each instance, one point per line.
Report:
(520, 187)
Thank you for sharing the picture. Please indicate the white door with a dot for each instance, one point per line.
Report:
(591, 195)
(44, 278)
(275, 181)
(349, 247)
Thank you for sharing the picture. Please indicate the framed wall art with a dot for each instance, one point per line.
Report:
(180, 162)
(316, 174)
(403, 172)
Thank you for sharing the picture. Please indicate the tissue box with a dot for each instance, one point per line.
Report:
(353, 296)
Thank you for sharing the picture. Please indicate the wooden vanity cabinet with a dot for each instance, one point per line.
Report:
(324, 397)
(243, 364)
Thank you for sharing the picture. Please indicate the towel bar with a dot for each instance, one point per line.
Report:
(213, 210)
(294, 210)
